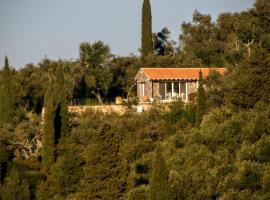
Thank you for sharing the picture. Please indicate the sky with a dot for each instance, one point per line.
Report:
(33, 29)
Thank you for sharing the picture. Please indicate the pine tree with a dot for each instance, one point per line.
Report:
(104, 172)
(7, 99)
(201, 105)
(146, 40)
(159, 186)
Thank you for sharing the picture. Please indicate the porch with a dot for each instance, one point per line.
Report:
(166, 90)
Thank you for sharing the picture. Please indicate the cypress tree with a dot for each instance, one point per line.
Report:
(48, 150)
(159, 186)
(201, 105)
(146, 40)
(56, 117)
(104, 172)
(7, 98)
(61, 103)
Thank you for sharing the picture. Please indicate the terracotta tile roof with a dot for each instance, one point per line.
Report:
(177, 73)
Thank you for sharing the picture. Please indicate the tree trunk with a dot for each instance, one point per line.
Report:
(98, 96)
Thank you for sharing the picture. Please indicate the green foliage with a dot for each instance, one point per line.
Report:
(31, 79)
(124, 70)
(247, 28)
(64, 176)
(68, 171)
(104, 172)
(56, 117)
(139, 193)
(109, 156)
(201, 44)
(27, 137)
(234, 57)
(221, 160)
(249, 82)
(159, 186)
(48, 189)
(214, 95)
(201, 101)
(7, 95)
(95, 57)
(60, 101)
(146, 37)
(48, 150)
(15, 187)
(162, 43)
(6, 152)
(265, 42)
(262, 8)
(181, 115)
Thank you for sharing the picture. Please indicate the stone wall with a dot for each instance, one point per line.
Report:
(142, 78)
(106, 109)
(155, 89)
(120, 109)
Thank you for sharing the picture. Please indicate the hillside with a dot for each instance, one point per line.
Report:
(216, 146)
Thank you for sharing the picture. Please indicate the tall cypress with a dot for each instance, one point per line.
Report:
(7, 99)
(146, 40)
(201, 105)
(56, 117)
(159, 184)
(49, 149)
(61, 103)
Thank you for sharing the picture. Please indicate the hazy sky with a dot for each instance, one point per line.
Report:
(31, 29)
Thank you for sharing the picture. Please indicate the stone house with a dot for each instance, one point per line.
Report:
(167, 84)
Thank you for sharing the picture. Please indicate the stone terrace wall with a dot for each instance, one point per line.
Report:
(106, 109)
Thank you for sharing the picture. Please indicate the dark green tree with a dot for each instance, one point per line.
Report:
(162, 43)
(61, 119)
(15, 187)
(7, 99)
(199, 42)
(68, 170)
(201, 105)
(146, 40)
(159, 185)
(214, 95)
(56, 117)
(104, 172)
(249, 83)
(262, 11)
(6, 152)
(95, 57)
(48, 149)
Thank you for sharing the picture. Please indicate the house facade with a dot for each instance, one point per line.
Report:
(167, 84)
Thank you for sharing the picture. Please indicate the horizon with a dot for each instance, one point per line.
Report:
(35, 30)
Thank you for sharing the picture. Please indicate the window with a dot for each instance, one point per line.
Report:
(175, 90)
(162, 90)
(168, 90)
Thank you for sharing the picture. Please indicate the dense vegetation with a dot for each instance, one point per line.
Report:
(217, 147)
